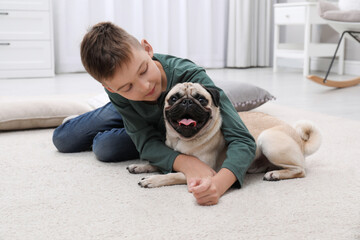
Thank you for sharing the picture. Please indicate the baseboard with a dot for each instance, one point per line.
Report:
(322, 64)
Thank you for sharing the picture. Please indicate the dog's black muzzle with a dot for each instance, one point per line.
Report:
(187, 117)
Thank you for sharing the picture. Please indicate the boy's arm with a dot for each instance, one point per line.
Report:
(241, 148)
(192, 167)
(241, 145)
(150, 143)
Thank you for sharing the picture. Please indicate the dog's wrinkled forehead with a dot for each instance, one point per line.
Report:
(187, 90)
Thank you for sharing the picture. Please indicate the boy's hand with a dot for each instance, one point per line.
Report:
(204, 190)
(206, 185)
(208, 190)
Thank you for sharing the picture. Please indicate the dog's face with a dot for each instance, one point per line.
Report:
(189, 107)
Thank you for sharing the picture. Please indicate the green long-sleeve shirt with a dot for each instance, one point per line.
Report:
(145, 125)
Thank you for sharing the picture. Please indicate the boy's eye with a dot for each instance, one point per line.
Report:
(145, 70)
(128, 88)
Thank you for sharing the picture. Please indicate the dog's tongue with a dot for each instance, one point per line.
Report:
(187, 122)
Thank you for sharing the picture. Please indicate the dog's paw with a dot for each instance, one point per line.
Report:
(135, 168)
(141, 168)
(271, 176)
(149, 182)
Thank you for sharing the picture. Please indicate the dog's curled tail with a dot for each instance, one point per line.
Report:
(310, 135)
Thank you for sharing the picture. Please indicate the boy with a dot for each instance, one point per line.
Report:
(134, 77)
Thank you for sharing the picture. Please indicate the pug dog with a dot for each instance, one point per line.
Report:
(193, 127)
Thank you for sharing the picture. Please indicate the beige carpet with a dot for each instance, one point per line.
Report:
(48, 195)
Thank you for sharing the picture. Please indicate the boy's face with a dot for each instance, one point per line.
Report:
(142, 79)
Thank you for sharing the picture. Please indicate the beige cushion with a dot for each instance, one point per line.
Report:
(331, 12)
(39, 112)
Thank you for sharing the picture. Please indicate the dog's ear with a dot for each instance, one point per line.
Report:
(215, 95)
(161, 99)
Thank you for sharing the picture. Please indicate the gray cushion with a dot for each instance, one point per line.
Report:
(244, 96)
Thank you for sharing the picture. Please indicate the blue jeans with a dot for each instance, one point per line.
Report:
(101, 130)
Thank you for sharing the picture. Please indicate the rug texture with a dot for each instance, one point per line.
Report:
(45, 194)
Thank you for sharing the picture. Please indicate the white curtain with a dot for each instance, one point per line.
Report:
(190, 29)
(212, 33)
(250, 33)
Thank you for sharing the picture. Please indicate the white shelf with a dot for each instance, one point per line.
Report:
(26, 39)
(302, 14)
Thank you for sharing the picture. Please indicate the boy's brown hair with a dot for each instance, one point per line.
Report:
(104, 48)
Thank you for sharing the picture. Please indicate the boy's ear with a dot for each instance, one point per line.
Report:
(215, 95)
(161, 99)
(147, 47)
